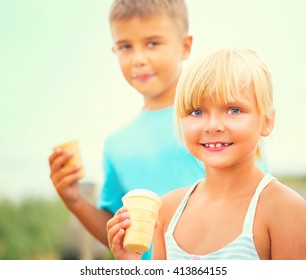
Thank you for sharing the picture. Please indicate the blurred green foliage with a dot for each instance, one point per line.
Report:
(40, 229)
(297, 183)
(32, 229)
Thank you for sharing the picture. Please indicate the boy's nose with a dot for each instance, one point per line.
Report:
(139, 58)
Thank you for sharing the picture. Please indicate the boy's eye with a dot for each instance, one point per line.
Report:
(124, 47)
(196, 112)
(152, 44)
(234, 111)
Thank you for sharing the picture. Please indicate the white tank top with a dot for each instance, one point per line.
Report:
(241, 248)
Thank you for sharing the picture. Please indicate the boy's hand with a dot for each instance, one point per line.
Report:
(64, 178)
(116, 227)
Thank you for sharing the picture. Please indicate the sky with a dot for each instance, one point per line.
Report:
(59, 80)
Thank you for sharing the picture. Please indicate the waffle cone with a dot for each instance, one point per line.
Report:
(73, 147)
(143, 210)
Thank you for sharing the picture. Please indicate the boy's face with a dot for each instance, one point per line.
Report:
(150, 52)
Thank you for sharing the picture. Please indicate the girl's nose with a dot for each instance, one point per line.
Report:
(214, 124)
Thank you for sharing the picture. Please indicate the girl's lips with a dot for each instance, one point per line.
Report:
(216, 146)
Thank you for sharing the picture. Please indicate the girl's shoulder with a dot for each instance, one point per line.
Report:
(173, 198)
(277, 194)
(170, 203)
(282, 212)
(279, 200)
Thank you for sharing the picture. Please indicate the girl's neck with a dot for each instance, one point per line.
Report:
(238, 179)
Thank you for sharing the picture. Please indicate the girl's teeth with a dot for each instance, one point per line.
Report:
(218, 145)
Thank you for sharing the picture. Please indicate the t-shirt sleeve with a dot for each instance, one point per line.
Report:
(262, 163)
(112, 190)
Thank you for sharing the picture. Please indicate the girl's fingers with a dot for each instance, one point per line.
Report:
(119, 216)
(117, 241)
(157, 224)
(115, 224)
(116, 228)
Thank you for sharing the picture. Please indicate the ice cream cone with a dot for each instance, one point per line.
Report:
(72, 147)
(142, 206)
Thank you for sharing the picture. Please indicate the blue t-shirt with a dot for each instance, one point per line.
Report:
(146, 153)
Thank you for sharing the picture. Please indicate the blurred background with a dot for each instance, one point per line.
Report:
(59, 80)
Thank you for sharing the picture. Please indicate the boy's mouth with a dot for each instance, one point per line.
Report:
(143, 77)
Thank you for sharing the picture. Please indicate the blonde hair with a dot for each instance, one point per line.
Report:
(221, 75)
(175, 9)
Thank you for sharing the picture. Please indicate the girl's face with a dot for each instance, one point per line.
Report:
(225, 135)
(150, 52)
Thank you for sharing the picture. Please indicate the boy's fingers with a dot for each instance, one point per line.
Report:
(60, 161)
(67, 180)
(54, 155)
(66, 175)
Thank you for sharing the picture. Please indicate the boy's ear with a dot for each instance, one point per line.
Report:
(268, 124)
(187, 43)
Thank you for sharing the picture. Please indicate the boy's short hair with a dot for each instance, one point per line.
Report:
(221, 75)
(175, 9)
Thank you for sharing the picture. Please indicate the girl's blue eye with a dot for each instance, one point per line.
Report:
(234, 111)
(196, 112)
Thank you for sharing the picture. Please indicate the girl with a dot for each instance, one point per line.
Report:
(224, 105)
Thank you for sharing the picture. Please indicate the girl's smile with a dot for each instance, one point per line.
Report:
(216, 146)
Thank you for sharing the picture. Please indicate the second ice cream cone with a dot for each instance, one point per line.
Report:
(73, 147)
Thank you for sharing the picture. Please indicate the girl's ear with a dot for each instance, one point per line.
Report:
(187, 43)
(268, 124)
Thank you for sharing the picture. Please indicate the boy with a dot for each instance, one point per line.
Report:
(151, 42)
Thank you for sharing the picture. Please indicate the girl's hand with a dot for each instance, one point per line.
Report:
(116, 227)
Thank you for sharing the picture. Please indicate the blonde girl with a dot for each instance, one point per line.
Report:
(224, 106)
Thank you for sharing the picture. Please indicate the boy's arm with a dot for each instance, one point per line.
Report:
(92, 218)
(65, 181)
(287, 225)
